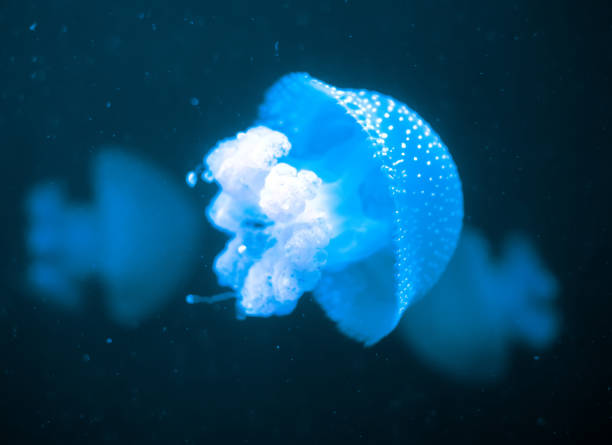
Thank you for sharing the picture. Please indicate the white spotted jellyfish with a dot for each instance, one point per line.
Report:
(348, 194)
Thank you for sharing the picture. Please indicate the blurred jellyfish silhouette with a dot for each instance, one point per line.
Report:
(481, 307)
(136, 237)
(346, 193)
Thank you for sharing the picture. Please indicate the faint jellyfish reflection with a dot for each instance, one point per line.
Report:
(481, 307)
(138, 237)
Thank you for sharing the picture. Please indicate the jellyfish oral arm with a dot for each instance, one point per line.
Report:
(282, 220)
(224, 296)
(278, 217)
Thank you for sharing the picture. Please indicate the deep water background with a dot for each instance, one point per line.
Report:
(518, 90)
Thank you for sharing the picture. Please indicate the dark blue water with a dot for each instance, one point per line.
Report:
(518, 90)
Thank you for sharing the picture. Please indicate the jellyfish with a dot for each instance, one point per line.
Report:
(347, 194)
(125, 238)
(481, 307)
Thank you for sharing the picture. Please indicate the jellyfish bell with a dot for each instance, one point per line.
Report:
(348, 194)
(125, 238)
(482, 307)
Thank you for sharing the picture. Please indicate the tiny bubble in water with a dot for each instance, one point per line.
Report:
(192, 179)
(208, 176)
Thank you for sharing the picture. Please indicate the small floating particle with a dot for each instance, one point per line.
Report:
(192, 179)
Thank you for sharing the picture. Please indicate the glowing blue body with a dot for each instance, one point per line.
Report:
(125, 238)
(345, 193)
(481, 307)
